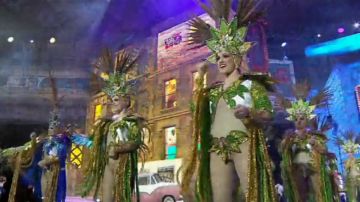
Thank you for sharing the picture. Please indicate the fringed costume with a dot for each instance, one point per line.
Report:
(304, 169)
(305, 165)
(235, 133)
(231, 147)
(24, 165)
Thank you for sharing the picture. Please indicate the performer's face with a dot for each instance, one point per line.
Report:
(301, 122)
(226, 62)
(119, 103)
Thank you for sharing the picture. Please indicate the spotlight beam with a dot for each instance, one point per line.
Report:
(339, 46)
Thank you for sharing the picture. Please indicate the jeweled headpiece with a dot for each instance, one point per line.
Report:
(304, 103)
(349, 142)
(301, 107)
(116, 81)
(228, 38)
(54, 121)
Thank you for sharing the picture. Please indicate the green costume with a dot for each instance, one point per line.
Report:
(117, 142)
(350, 144)
(304, 169)
(105, 136)
(250, 91)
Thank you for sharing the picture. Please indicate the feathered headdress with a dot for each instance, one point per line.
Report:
(230, 34)
(228, 38)
(114, 73)
(349, 141)
(304, 104)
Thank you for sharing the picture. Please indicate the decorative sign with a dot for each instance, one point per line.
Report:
(357, 93)
(175, 39)
(172, 48)
(76, 155)
(283, 72)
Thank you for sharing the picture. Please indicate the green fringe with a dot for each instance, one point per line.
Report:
(326, 180)
(130, 183)
(97, 161)
(204, 190)
(291, 192)
(127, 182)
(286, 174)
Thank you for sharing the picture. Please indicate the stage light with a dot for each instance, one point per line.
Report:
(283, 44)
(10, 39)
(318, 35)
(52, 40)
(356, 25)
(31, 41)
(341, 30)
(335, 47)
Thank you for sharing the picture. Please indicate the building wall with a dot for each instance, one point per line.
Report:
(343, 106)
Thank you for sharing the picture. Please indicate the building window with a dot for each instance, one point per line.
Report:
(170, 142)
(170, 93)
(167, 174)
(76, 155)
(98, 111)
(195, 76)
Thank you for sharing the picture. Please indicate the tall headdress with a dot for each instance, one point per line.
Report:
(115, 72)
(301, 107)
(54, 122)
(304, 104)
(228, 35)
(349, 141)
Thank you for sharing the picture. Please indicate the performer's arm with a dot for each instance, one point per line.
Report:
(262, 107)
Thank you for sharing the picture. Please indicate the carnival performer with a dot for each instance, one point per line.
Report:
(22, 161)
(55, 152)
(305, 170)
(350, 144)
(229, 117)
(118, 138)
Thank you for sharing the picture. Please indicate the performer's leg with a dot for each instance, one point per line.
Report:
(241, 162)
(108, 184)
(315, 179)
(301, 179)
(221, 179)
(44, 182)
(189, 196)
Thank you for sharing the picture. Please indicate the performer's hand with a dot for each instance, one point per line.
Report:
(33, 136)
(263, 116)
(112, 152)
(241, 112)
(202, 67)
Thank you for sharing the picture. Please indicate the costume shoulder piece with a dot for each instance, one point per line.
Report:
(319, 135)
(134, 117)
(264, 79)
